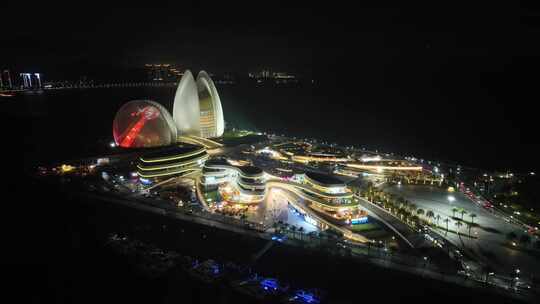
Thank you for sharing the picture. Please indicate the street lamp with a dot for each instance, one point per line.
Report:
(425, 265)
(489, 275)
(516, 278)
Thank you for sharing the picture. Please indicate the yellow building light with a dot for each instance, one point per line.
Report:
(67, 168)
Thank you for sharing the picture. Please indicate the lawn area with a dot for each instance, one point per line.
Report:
(229, 134)
(213, 195)
(364, 227)
(247, 139)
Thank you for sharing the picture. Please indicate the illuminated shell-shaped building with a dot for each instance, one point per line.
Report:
(143, 123)
(197, 108)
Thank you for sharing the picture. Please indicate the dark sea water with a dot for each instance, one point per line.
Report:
(58, 125)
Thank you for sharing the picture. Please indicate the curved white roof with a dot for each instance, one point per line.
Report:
(186, 110)
(204, 79)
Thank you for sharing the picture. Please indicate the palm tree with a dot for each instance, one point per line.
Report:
(420, 212)
(469, 226)
(404, 204)
(407, 216)
(415, 219)
(430, 215)
(438, 218)
(293, 229)
(463, 212)
(389, 206)
(301, 230)
(446, 220)
(472, 215)
(286, 227)
(399, 213)
(370, 185)
(458, 224)
(275, 226)
(454, 210)
(404, 214)
(487, 270)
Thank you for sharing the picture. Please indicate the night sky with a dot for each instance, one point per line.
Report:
(466, 74)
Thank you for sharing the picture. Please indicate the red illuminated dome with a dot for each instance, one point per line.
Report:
(143, 123)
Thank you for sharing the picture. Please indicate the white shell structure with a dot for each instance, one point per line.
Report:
(197, 108)
(186, 110)
(205, 84)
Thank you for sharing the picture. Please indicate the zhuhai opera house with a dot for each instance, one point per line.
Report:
(169, 146)
(147, 125)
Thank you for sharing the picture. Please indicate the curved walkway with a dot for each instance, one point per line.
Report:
(205, 142)
(389, 220)
(295, 188)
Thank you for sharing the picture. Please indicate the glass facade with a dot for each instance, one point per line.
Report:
(143, 123)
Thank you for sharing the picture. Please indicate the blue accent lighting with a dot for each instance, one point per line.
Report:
(145, 181)
(269, 284)
(360, 220)
(305, 297)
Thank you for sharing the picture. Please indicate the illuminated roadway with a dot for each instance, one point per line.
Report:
(489, 244)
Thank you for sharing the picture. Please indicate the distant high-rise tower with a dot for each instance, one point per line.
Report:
(161, 72)
(26, 80)
(31, 80)
(266, 74)
(6, 76)
(38, 80)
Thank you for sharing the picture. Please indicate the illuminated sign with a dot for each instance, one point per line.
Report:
(271, 284)
(310, 220)
(360, 220)
(67, 168)
(102, 161)
(145, 181)
(371, 159)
